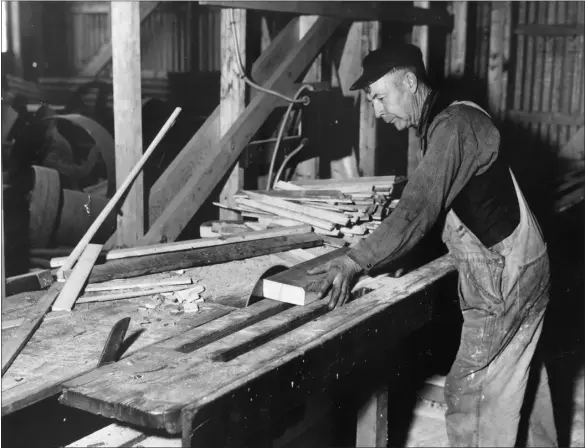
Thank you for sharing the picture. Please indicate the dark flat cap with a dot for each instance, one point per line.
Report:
(379, 62)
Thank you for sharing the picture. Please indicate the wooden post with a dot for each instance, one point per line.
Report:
(309, 169)
(456, 40)
(232, 94)
(367, 136)
(15, 36)
(499, 52)
(125, 18)
(420, 38)
(372, 420)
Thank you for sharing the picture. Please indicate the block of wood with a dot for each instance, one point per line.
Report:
(290, 286)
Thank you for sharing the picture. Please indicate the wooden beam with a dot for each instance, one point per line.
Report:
(356, 10)
(125, 19)
(550, 30)
(32, 281)
(367, 133)
(232, 94)
(15, 36)
(206, 139)
(205, 256)
(309, 168)
(104, 56)
(420, 38)
(215, 162)
(499, 51)
(372, 420)
(76, 281)
(456, 41)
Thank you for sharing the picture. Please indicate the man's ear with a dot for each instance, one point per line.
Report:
(410, 81)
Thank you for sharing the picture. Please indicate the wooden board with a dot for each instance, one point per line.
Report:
(290, 286)
(176, 390)
(150, 264)
(216, 161)
(77, 279)
(32, 281)
(394, 12)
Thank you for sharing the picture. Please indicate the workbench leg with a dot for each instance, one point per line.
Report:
(372, 420)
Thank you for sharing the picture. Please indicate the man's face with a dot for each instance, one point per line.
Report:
(392, 98)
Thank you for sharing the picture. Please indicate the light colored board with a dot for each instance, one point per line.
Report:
(290, 286)
(140, 283)
(499, 49)
(126, 75)
(286, 213)
(77, 279)
(287, 186)
(117, 435)
(215, 162)
(456, 40)
(232, 93)
(104, 56)
(129, 294)
(420, 38)
(367, 133)
(305, 209)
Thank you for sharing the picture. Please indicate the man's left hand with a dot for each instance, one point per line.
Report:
(341, 275)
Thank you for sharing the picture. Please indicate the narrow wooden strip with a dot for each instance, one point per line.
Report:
(547, 117)
(130, 294)
(550, 30)
(325, 215)
(287, 186)
(78, 277)
(315, 222)
(130, 283)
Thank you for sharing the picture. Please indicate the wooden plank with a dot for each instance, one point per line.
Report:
(560, 29)
(499, 47)
(125, 50)
(355, 10)
(117, 435)
(290, 286)
(303, 194)
(546, 117)
(232, 93)
(372, 420)
(77, 279)
(215, 162)
(32, 281)
(138, 283)
(12, 347)
(104, 56)
(196, 244)
(305, 209)
(347, 186)
(457, 40)
(92, 298)
(309, 168)
(286, 213)
(420, 38)
(367, 133)
(16, 36)
(150, 264)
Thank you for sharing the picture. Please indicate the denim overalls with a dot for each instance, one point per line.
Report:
(503, 292)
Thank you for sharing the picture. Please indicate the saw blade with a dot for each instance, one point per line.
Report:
(114, 342)
(257, 291)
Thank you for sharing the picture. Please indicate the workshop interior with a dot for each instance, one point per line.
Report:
(172, 169)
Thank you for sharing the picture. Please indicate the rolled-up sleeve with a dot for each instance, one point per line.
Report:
(446, 167)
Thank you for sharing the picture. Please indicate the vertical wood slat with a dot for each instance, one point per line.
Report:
(456, 40)
(367, 131)
(232, 95)
(498, 52)
(420, 38)
(128, 115)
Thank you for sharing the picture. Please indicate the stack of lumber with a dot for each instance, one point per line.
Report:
(332, 207)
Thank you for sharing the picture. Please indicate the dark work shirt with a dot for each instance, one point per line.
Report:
(462, 143)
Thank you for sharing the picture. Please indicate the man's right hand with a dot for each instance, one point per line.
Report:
(341, 275)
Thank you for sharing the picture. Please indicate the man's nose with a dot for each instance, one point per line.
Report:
(377, 110)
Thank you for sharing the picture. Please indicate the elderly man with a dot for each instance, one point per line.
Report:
(490, 231)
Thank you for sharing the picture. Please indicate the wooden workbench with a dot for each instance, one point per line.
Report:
(194, 373)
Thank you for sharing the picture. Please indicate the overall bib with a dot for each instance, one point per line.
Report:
(503, 293)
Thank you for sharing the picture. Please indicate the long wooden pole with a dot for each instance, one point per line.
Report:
(112, 203)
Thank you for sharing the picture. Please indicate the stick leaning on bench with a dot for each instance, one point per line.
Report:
(11, 348)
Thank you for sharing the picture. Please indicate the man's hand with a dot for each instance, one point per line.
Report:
(341, 275)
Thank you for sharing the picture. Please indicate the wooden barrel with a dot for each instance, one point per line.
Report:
(78, 212)
(43, 206)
